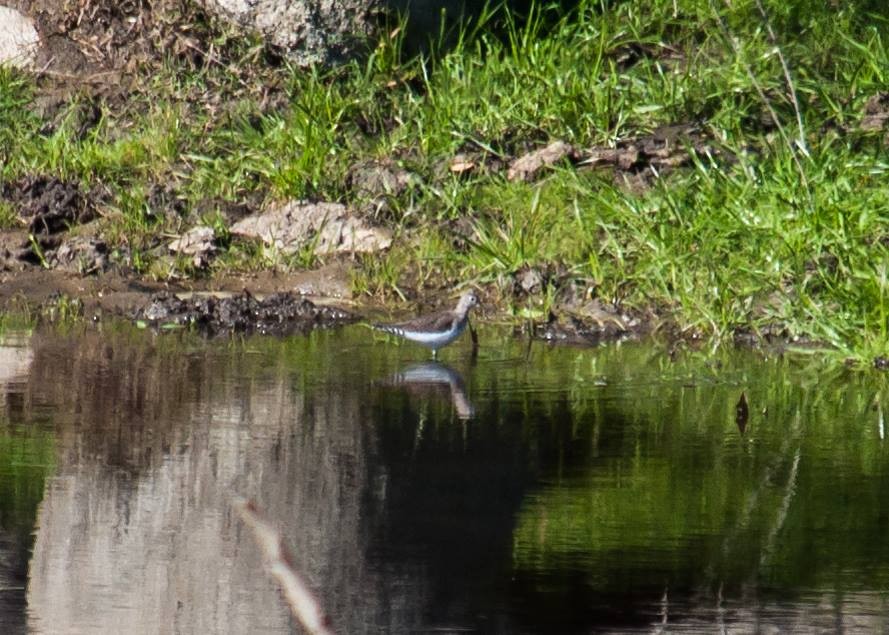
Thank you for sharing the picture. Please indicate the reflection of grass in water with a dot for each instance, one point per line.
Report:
(668, 484)
(26, 459)
(15, 322)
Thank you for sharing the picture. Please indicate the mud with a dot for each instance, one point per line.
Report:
(48, 204)
(590, 324)
(48, 207)
(278, 314)
(119, 295)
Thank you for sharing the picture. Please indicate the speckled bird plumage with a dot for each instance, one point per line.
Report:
(435, 330)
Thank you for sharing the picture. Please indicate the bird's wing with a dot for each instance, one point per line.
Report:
(442, 321)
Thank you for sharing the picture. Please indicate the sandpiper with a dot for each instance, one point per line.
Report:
(436, 330)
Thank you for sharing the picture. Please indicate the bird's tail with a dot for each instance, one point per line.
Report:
(388, 328)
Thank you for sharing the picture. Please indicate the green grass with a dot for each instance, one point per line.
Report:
(9, 219)
(773, 230)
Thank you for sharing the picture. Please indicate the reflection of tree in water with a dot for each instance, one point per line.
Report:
(614, 501)
(25, 459)
(453, 489)
(152, 445)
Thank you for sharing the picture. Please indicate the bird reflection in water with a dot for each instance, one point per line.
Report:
(434, 378)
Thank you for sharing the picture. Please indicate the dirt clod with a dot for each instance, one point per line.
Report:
(326, 228)
(876, 112)
(665, 149)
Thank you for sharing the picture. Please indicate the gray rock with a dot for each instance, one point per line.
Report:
(80, 254)
(328, 227)
(198, 242)
(18, 39)
(309, 31)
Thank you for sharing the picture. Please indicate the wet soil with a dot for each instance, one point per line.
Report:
(113, 294)
(49, 204)
(213, 314)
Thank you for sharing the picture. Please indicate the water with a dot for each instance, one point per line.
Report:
(535, 490)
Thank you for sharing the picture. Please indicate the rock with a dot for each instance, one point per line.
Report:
(308, 31)
(18, 39)
(198, 242)
(327, 227)
(526, 167)
(80, 254)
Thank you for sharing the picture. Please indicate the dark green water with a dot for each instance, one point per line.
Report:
(534, 490)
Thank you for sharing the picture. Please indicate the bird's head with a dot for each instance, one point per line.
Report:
(467, 301)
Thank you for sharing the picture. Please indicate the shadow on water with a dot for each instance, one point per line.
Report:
(560, 490)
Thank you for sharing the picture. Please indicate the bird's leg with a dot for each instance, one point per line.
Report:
(474, 337)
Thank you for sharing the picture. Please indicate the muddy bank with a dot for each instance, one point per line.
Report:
(279, 304)
(272, 303)
(265, 301)
(215, 314)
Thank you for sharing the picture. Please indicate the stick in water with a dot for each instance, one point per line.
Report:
(303, 603)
